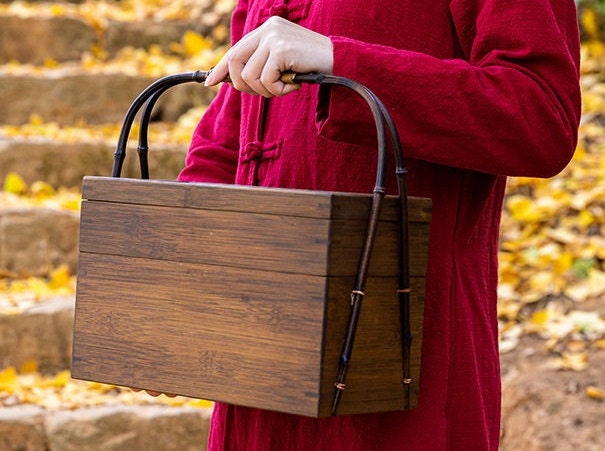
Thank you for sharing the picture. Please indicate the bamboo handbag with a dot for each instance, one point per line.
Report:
(175, 295)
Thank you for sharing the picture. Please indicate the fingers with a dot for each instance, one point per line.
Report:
(256, 62)
(262, 75)
(250, 78)
(243, 63)
(234, 62)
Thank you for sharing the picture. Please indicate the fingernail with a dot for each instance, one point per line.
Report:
(209, 79)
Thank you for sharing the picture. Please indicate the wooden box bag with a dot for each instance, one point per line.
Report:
(249, 295)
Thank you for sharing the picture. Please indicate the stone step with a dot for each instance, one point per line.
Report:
(108, 428)
(35, 240)
(65, 39)
(68, 38)
(41, 333)
(64, 164)
(46, 1)
(71, 96)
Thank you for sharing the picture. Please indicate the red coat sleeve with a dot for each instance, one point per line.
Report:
(213, 152)
(510, 105)
(212, 155)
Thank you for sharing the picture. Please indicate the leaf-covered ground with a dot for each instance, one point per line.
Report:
(60, 392)
(552, 256)
(193, 51)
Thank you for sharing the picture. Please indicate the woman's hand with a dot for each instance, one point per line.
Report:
(256, 62)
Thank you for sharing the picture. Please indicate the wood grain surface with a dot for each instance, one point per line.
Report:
(241, 294)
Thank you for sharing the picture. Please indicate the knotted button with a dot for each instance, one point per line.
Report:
(252, 152)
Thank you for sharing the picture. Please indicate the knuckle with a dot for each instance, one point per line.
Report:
(247, 78)
(274, 21)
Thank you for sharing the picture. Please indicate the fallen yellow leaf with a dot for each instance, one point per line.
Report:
(60, 379)
(572, 361)
(14, 183)
(522, 208)
(8, 379)
(30, 366)
(41, 190)
(194, 43)
(590, 22)
(591, 287)
(540, 317)
(595, 393)
(60, 278)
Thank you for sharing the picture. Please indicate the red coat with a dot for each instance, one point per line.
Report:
(479, 89)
